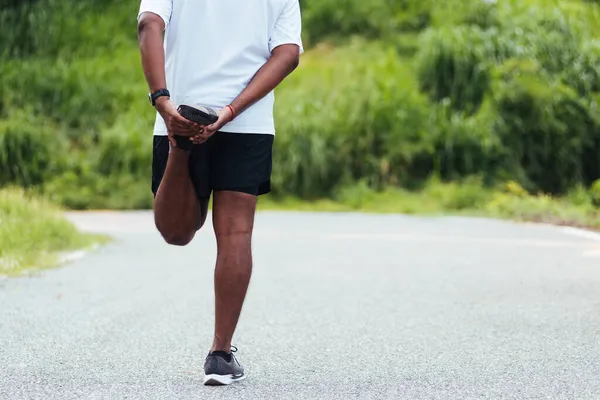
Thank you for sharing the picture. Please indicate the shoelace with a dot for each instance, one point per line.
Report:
(234, 350)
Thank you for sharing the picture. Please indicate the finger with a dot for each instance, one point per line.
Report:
(178, 127)
(203, 137)
(194, 126)
(183, 130)
(212, 128)
(206, 135)
(183, 124)
(171, 139)
(178, 118)
(198, 139)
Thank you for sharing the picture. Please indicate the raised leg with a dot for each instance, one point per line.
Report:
(178, 213)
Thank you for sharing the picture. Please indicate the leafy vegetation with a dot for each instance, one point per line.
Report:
(389, 94)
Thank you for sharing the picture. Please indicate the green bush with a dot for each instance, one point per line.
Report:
(116, 174)
(542, 209)
(326, 19)
(468, 194)
(343, 119)
(348, 114)
(49, 28)
(548, 133)
(464, 145)
(544, 125)
(29, 149)
(82, 188)
(126, 147)
(595, 193)
(455, 60)
(82, 95)
(584, 74)
(591, 155)
(452, 65)
(548, 35)
(482, 14)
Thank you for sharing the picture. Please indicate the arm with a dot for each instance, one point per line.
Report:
(285, 45)
(284, 60)
(150, 37)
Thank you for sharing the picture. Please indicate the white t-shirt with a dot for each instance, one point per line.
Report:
(213, 48)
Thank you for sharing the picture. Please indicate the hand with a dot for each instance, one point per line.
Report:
(176, 124)
(225, 116)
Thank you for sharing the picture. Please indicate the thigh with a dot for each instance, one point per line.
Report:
(199, 166)
(160, 155)
(200, 170)
(241, 162)
(200, 176)
(199, 173)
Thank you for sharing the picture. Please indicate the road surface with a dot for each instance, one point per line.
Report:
(341, 306)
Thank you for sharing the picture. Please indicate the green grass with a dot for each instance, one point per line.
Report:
(33, 233)
(467, 198)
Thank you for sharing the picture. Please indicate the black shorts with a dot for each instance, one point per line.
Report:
(239, 162)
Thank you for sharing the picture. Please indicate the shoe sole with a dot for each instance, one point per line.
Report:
(221, 380)
(197, 115)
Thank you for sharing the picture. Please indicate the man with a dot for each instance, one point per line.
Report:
(228, 55)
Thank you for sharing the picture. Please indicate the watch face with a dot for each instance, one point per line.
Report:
(151, 99)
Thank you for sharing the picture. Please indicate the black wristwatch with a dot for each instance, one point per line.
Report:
(157, 94)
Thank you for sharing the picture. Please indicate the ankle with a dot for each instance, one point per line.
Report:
(220, 348)
(227, 356)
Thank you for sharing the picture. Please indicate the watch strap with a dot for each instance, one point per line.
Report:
(159, 93)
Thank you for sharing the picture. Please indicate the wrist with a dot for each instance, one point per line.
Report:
(162, 104)
(162, 101)
(231, 111)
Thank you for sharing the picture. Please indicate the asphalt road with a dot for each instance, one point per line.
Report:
(340, 307)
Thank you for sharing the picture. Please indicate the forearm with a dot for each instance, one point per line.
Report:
(269, 76)
(150, 37)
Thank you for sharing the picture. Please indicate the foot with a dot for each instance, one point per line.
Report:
(221, 368)
(198, 114)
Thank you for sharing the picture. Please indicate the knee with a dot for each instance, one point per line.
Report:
(175, 235)
(177, 238)
(238, 240)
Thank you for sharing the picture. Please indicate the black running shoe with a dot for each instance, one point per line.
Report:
(199, 114)
(221, 368)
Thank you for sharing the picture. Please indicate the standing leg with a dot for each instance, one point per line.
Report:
(233, 220)
(240, 172)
